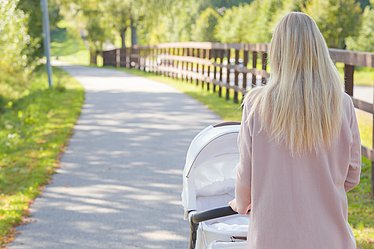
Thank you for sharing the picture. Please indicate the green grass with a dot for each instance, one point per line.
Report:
(361, 205)
(81, 57)
(34, 129)
(67, 46)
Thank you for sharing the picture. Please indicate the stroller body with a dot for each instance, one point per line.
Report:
(209, 184)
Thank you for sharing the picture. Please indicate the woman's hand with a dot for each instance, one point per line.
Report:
(234, 207)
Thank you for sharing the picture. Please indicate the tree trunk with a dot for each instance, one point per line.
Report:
(93, 57)
(123, 38)
(133, 33)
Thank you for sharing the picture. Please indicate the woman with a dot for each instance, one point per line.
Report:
(299, 147)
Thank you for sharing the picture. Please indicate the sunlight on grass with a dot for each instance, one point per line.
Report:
(81, 57)
(33, 132)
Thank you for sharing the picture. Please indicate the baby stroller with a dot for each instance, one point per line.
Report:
(208, 185)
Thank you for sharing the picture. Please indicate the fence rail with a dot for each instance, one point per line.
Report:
(231, 68)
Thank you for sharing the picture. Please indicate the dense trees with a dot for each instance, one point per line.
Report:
(344, 23)
(337, 19)
(365, 39)
(205, 25)
(126, 22)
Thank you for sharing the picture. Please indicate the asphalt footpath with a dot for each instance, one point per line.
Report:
(120, 179)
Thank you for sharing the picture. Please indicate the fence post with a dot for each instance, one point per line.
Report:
(221, 54)
(236, 75)
(177, 62)
(192, 66)
(254, 65)
(264, 65)
(138, 58)
(129, 60)
(245, 63)
(348, 78)
(183, 64)
(154, 59)
(197, 55)
(202, 56)
(187, 64)
(209, 56)
(228, 71)
(214, 56)
(158, 53)
(118, 59)
(167, 52)
(171, 68)
(164, 61)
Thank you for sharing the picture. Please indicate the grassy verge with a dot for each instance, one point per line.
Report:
(363, 76)
(361, 205)
(34, 129)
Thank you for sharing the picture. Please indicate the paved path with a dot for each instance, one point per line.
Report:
(120, 179)
(365, 93)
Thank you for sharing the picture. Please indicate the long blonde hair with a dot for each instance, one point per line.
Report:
(301, 104)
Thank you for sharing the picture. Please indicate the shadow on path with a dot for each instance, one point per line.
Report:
(120, 179)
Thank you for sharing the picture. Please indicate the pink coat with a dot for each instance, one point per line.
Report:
(300, 202)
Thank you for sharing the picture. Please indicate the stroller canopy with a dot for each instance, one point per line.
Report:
(211, 161)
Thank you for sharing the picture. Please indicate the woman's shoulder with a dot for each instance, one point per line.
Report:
(347, 102)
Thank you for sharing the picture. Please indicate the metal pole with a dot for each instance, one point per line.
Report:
(47, 39)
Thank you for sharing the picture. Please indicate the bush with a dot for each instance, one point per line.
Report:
(14, 40)
(365, 38)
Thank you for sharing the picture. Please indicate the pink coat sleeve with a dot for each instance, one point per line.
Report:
(353, 176)
(244, 171)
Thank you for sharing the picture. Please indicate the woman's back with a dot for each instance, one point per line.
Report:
(300, 201)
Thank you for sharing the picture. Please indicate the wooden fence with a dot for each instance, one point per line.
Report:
(228, 69)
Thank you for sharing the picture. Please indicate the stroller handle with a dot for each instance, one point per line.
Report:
(198, 217)
(226, 124)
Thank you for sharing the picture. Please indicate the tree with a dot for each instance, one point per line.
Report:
(33, 12)
(14, 40)
(337, 19)
(120, 14)
(228, 26)
(365, 38)
(205, 25)
(254, 22)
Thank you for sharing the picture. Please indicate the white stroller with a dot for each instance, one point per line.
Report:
(208, 185)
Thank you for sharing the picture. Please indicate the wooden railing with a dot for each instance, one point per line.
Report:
(228, 69)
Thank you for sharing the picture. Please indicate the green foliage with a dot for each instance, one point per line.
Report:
(34, 129)
(205, 25)
(253, 23)
(14, 40)
(337, 19)
(229, 27)
(32, 9)
(65, 43)
(33, 12)
(365, 39)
